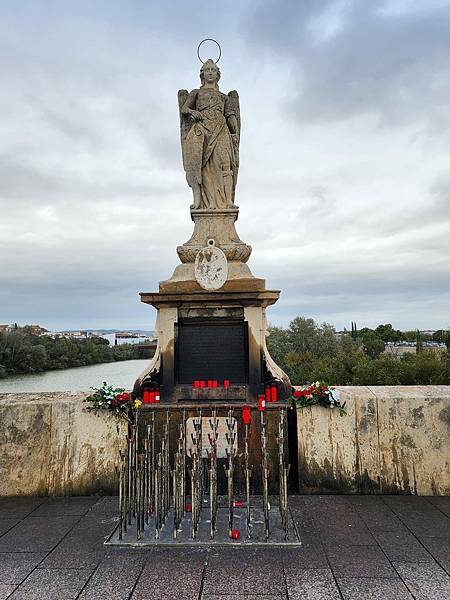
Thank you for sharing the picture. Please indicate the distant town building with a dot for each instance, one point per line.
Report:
(400, 348)
(127, 337)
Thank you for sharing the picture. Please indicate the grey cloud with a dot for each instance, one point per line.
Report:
(20, 182)
(93, 194)
(389, 65)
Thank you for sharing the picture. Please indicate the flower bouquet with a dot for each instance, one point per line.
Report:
(114, 400)
(320, 394)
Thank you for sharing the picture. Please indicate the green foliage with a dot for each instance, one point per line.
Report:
(372, 344)
(22, 351)
(388, 334)
(308, 352)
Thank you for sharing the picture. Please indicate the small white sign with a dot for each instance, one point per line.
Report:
(207, 429)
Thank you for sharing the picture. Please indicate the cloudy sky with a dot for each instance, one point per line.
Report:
(344, 189)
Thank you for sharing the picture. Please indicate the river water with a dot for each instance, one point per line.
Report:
(119, 374)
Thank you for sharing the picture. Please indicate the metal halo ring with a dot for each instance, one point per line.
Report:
(208, 40)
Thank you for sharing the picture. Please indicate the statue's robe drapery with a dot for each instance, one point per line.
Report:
(210, 150)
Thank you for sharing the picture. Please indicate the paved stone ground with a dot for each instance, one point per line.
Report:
(355, 547)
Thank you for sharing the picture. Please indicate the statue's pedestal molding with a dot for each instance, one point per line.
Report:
(239, 277)
(217, 225)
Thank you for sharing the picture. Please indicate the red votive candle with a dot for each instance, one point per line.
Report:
(210, 383)
(216, 383)
(268, 395)
(246, 415)
(261, 402)
(145, 397)
(188, 507)
(274, 393)
(202, 383)
(226, 383)
(196, 383)
(235, 534)
(238, 504)
(151, 396)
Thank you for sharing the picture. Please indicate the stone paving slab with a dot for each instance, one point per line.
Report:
(425, 581)
(7, 524)
(402, 546)
(36, 534)
(243, 597)
(442, 503)
(358, 588)
(237, 572)
(52, 585)
(16, 566)
(18, 508)
(311, 584)
(114, 578)
(6, 591)
(354, 547)
(57, 507)
(359, 561)
(440, 550)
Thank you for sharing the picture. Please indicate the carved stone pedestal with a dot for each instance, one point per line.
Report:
(212, 336)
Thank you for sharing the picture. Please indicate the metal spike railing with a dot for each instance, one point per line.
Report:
(265, 474)
(212, 453)
(159, 471)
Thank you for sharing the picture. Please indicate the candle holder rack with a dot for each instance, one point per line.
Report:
(188, 473)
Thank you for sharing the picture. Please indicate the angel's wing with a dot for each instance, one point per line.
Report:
(184, 123)
(233, 105)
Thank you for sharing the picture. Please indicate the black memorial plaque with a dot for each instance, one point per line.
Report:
(212, 350)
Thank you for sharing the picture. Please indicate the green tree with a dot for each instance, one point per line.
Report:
(388, 334)
(278, 343)
(301, 333)
(373, 346)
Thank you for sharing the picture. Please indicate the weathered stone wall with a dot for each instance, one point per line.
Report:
(50, 445)
(393, 440)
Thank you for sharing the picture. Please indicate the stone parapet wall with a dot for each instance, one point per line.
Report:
(50, 445)
(392, 440)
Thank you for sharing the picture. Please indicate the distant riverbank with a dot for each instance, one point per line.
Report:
(23, 350)
(118, 374)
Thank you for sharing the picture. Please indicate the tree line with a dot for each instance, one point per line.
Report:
(308, 352)
(23, 351)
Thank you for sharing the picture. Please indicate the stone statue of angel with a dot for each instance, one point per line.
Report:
(210, 131)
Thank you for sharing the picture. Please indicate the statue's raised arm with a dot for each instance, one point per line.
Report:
(210, 125)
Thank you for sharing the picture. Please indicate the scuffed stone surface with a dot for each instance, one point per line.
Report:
(392, 440)
(52, 446)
